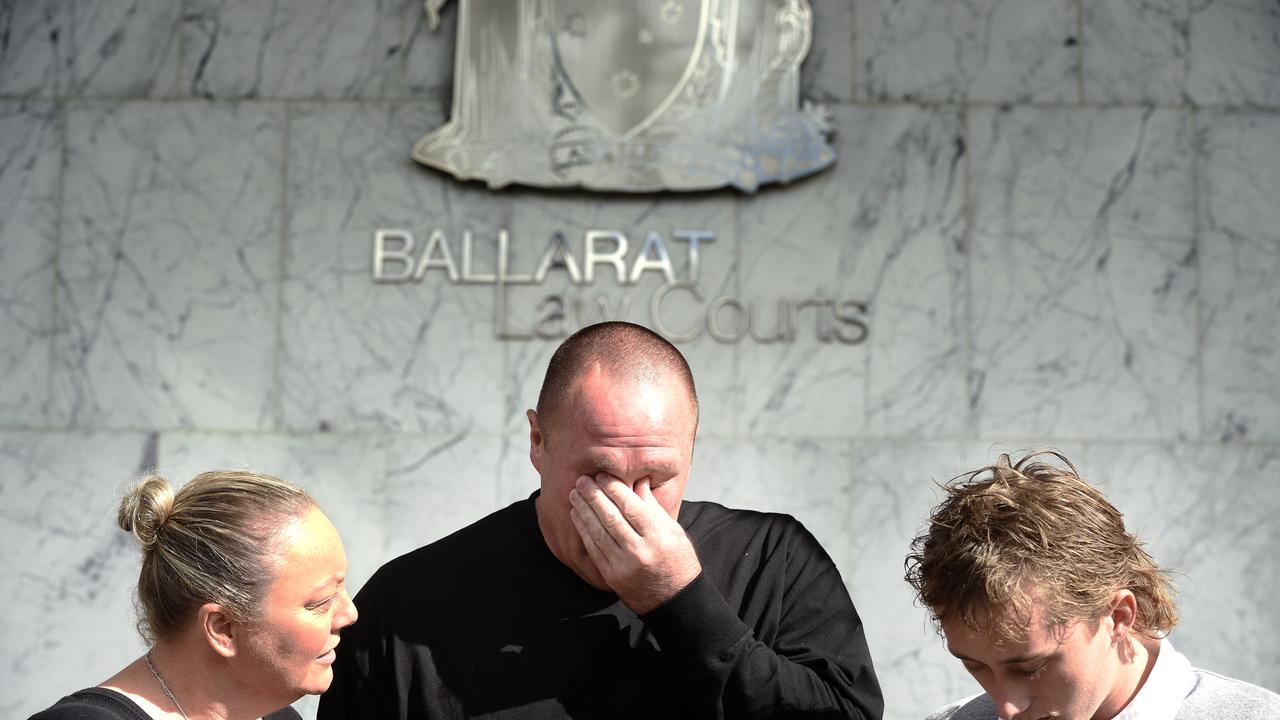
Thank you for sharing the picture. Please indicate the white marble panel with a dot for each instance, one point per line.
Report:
(30, 158)
(436, 485)
(414, 356)
(1083, 273)
(883, 227)
(984, 50)
(1134, 51)
(1240, 260)
(294, 48)
(69, 570)
(535, 217)
(102, 48)
(429, 53)
(806, 478)
(1208, 514)
(827, 73)
(1235, 52)
(168, 265)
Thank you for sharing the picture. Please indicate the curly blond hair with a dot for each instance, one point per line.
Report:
(1011, 535)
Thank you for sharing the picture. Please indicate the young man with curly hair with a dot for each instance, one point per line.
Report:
(1055, 609)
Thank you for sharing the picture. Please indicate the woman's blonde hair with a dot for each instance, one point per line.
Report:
(1011, 535)
(211, 542)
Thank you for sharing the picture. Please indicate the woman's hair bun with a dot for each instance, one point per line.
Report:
(146, 508)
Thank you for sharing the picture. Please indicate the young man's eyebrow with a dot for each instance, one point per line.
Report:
(1028, 658)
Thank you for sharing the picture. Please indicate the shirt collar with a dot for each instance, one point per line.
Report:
(1169, 683)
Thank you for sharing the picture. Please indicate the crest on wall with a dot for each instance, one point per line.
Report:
(629, 95)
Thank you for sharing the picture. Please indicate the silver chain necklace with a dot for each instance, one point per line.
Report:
(167, 692)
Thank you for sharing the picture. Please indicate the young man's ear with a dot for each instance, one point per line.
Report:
(220, 631)
(1124, 614)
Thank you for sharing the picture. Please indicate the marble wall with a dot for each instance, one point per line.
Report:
(1062, 214)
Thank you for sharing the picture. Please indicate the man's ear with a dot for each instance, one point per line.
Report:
(1124, 614)
(536, 441)
(220, 631)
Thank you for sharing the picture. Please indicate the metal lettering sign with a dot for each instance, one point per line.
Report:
(629, 95)
(678, 309)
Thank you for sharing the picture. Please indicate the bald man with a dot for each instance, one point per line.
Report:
(604, 595)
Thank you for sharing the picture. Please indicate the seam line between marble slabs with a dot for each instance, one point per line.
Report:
(1026, 442)
(412, 99)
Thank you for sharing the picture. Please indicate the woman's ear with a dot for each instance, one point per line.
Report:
(220, 630)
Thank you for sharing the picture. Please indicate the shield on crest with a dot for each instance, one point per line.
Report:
(626, 61)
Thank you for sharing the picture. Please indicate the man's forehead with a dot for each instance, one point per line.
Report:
(1007, 631)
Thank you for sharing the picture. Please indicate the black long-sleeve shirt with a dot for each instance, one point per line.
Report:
(487, 623)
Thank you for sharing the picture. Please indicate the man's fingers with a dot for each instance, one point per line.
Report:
(591, 532)
(597, 503)
(634, 509)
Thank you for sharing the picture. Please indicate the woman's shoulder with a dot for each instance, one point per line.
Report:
(92, 704)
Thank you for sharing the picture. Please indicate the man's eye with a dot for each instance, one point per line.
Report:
(1033, 674)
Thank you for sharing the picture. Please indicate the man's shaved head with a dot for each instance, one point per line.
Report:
(622, 350)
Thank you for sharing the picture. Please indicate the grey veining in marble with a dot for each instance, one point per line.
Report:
(987, 50)
(883, 227)
(1083, 273)
(422, 496)
(1235, 52)
(1135, 51)
(102, 48)
(429, 53)
(827, 73)
(417, 356)
(294, 48)
(1208, 513)
(168, 269)
(30, 155)
(805, 478)
(69, 570)
(1240, 261)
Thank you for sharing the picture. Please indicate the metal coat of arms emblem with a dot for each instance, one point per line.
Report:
(629, 95)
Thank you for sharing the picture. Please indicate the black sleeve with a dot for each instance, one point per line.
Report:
(816, 664)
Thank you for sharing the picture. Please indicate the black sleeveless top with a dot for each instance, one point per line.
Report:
(97, 703)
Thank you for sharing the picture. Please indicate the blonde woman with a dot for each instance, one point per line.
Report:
(241, 597)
